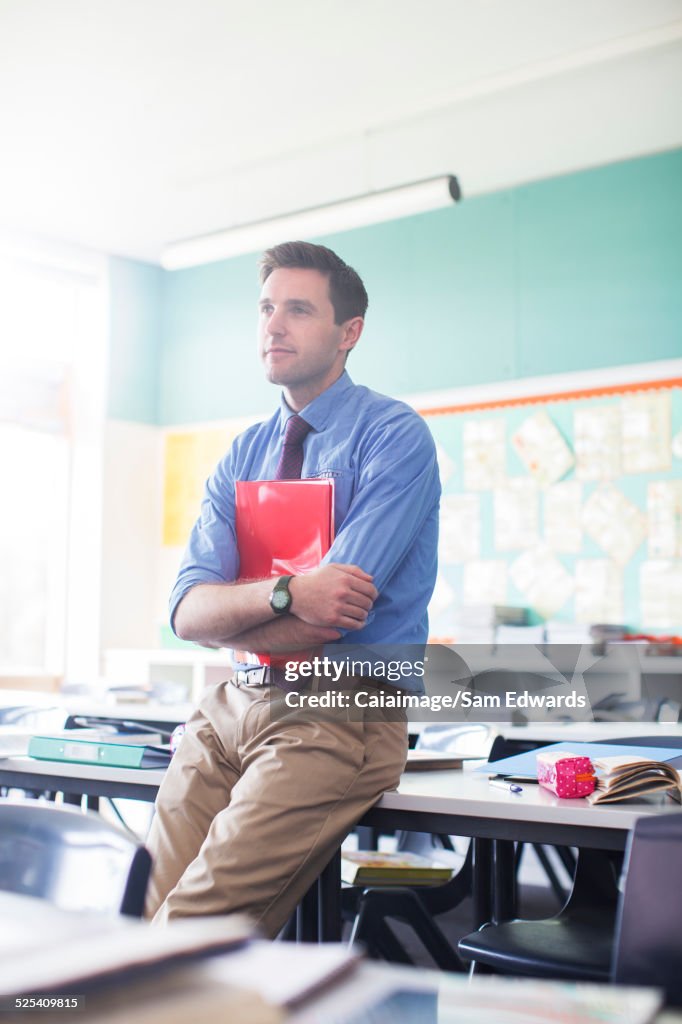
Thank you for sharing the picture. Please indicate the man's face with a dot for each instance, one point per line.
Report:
(301, 347)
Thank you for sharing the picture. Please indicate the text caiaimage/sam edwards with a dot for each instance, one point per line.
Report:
(451, 701)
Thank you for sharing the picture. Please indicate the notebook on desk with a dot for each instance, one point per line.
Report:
(525, 764)
(112, 755)
(423, 759)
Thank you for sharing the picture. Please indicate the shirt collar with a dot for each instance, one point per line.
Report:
(318, 412)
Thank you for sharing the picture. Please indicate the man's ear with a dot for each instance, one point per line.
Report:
(352, 329)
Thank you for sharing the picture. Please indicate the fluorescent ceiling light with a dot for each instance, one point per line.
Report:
(389, 204)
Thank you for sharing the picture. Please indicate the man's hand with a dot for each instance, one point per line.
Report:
(334, 595)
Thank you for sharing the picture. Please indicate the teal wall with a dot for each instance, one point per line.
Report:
(210, 367)
(572, 273)
(135, 318)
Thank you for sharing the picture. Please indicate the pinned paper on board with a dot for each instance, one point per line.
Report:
(542, 579)
(446, 466)
(660, 588)
(542, 449)
(485, 456)
(459, 538)
(614, 522)
(516, 515)
(664, 513)
(597, 441)
(598, 591)
(562, 511)
(646, 433)
(485, 582)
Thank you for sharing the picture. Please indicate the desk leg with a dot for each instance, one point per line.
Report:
(482, 881)
(306, 916)
(504, 881)
(329, 900)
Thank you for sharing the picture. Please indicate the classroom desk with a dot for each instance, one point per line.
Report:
(68, 704)
(81, 779)
(462, 803)
(448, 802)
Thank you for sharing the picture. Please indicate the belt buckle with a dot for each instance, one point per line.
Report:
(256, 676)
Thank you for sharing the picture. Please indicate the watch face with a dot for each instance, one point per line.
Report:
(280, 600)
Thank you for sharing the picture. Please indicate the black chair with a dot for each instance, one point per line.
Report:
(74, 860)
(418, 906)
(648, 947)
(578, 942)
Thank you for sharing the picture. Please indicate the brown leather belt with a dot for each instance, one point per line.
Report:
(265, 675)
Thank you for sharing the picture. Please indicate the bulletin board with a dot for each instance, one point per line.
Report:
(569, 504)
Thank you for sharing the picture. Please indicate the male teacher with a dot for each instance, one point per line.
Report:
(254, 805)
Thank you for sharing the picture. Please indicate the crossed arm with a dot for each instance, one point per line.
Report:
(239, 615)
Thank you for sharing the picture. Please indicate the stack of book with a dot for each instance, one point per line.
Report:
(374, 867)
(603, 633)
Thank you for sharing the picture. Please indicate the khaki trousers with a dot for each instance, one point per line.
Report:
(253, 806)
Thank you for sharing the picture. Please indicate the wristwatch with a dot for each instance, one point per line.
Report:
(280, 598)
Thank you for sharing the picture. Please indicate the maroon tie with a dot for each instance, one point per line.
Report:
(291, 457)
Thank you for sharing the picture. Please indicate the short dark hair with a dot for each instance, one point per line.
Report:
(346, 290)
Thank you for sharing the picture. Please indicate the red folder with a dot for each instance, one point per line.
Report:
(284, 527)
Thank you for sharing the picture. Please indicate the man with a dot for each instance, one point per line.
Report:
(253, 804)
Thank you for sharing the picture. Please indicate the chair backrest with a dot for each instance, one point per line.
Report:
(505, 747)
(648, 946)
(74, 860)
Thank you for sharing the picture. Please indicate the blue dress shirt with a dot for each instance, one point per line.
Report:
(382, 458)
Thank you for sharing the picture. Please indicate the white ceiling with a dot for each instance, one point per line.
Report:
(126, 124)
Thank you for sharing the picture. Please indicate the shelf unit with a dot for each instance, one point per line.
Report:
(192, 668)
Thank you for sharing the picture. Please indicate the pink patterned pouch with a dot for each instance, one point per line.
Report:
(565, 774)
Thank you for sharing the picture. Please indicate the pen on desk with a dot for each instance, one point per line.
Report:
(511, 787)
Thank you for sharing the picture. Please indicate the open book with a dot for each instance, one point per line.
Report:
(619, 778)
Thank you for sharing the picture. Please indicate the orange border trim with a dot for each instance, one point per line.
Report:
(560, 396)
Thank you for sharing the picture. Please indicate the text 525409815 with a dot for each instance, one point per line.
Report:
(42, 1002)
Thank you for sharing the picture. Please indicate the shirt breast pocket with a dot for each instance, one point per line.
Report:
(344, 489)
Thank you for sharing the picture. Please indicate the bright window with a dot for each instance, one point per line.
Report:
(51, 395)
